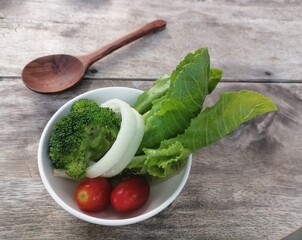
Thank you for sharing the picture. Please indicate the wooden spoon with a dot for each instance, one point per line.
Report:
(55, 73)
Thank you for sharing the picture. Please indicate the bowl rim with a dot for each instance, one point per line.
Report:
(82, 215)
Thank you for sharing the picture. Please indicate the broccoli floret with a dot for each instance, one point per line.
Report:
(82, 104)
(84, 135)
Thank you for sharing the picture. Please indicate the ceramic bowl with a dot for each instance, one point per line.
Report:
(62, 190)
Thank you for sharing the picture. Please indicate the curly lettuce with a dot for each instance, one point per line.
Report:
(177, 124)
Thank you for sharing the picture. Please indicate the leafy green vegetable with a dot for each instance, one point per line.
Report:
(211, 125)
(144, 101)
(161, 86)
(160, 162)
(176, 125)
(84, 135)
(171, 114)
(215, 76)
(214, 123)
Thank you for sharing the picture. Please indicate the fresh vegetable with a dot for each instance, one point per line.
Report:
(125, 145)
(161, 86)
(176, 124)
(144, 101)
(232, 109)
(130, 194)
(172, 124)
(171, 114)
(82, 136)
(93, 194)
(152, 140)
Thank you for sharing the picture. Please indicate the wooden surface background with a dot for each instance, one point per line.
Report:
(247, 186)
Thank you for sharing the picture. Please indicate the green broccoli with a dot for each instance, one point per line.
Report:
(84, 135)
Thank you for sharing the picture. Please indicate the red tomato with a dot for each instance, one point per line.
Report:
(93, 194)
(130, 194)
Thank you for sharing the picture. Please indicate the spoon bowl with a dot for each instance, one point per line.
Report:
(56, 73)
(53, 73)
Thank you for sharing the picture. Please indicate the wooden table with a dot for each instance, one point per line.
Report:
(247, 186)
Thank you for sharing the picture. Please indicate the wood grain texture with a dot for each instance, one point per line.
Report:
(248, 39)
(247, 186)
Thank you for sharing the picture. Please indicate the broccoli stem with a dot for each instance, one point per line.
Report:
(61, 173)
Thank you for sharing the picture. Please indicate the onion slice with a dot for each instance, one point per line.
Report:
(126, 144)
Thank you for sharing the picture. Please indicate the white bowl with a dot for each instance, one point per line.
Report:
(62, 190)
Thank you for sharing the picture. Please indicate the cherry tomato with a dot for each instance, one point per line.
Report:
(130, 194)
(93, 194)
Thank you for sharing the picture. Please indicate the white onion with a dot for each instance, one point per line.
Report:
(126, 144)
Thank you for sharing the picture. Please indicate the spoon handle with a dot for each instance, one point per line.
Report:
(151, 27)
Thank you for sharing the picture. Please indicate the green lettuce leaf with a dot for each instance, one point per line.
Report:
(214, 123)
(175, 123)
(159, 88)
(211, 125)
(161, 162)
(171, 114)
(215, 76)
